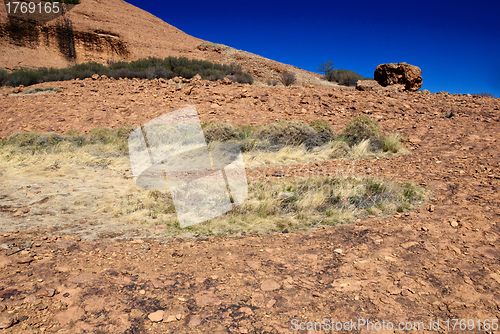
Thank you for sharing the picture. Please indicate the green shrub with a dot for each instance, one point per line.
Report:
(4, 77)
(288, 133)
(347, 78)
(343, 77)
(362, 128)
(22, 139)
(48, 139)
(150, 68)
(323, 129)
(99, 135)
(221, 131)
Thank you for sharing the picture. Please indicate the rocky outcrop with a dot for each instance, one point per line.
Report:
(399, 73)
(374, 86)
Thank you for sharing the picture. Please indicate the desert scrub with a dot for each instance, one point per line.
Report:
(150, 68)
(363, 128)
(294, 204)
(392, 143)
(221, 131)
(38, 91)
(323, 129)
(291, 133)
(113, 142)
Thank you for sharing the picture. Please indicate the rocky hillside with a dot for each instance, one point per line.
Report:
(96, 30)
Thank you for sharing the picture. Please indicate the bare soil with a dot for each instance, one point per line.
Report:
(440, 261)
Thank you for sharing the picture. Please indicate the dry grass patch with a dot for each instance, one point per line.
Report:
(105, 194)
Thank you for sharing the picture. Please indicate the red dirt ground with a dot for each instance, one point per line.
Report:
(439, 262)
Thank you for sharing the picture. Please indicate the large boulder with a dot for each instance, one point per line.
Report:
(399, 73)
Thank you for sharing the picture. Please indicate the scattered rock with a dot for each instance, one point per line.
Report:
(170, 318)
(6, 321)
(50, 292)
(156, 316)
(369, 86)
(26, 259)
(95, 76)
(194, 321)
(269, 285)
(19, 89)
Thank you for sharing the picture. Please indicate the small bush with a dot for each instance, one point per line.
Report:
(98, 135)
(242, 78)
(272, 82)
(48, 139)
(288, 78)
(288, 133)
(392, 143)
(4, 77)
(362, 128)
(348, 78)
(340, 149)
(343, 77)
(235, 68)
(22, 139)
(221, 131)
(484, 94)
(323, 129)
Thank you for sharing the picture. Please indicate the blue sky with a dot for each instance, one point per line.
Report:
(455, 43)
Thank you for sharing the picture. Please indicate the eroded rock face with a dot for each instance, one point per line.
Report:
(399, 73)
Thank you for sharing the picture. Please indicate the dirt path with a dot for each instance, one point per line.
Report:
(439, 262)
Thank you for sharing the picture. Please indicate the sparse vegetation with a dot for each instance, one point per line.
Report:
(288, 133)
(288, 78)
(221, 131)
(278, 143)
(363, 128)
(151, 68)
(484, 94)
(343, 77)
(392, 143)
(301, 203)
(40, 90)
(272, 82)
(324, 130)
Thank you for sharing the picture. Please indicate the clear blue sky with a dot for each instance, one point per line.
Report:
(455, 43)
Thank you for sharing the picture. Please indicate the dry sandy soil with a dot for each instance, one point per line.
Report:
(440, 261)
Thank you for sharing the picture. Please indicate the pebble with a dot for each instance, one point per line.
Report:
(170, 318)
(269, 285)
(194, 321)
(50, 292)
(6, 321)
(156, 316)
